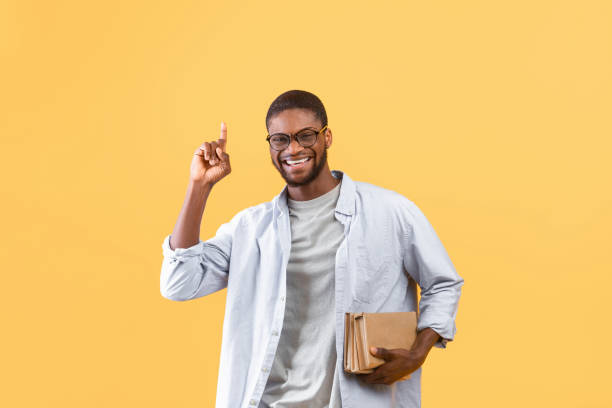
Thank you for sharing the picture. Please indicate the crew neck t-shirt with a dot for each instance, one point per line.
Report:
(304, 372)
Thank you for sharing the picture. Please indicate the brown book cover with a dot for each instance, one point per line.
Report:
(346, 337)
(387, 329)
(360, 341)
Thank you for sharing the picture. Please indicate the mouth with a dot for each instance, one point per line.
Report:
(296, 164)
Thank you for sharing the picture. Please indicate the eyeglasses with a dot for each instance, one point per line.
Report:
(305, 138)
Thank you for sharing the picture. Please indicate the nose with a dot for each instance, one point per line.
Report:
(294, 147)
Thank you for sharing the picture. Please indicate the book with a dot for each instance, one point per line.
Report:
(388, 330)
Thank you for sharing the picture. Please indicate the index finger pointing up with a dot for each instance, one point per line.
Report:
(223, 137)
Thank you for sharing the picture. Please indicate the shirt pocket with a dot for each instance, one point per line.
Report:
(372, 275)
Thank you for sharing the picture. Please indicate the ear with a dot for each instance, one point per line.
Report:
(328, 137)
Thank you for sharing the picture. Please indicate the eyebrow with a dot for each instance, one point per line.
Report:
(309, 127)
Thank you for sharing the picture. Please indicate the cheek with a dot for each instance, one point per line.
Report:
(276, 160)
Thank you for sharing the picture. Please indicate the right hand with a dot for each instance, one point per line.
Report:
(210, 162)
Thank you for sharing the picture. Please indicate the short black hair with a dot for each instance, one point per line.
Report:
(297, 99)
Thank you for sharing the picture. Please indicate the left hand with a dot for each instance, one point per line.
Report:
(399, 363)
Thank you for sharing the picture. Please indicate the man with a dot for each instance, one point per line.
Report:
(293, 266)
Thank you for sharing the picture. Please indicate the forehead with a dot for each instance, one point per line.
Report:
(293, 120)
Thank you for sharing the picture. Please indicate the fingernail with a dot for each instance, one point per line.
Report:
(373, 349)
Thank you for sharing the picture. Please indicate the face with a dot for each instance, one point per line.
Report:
(291, 121)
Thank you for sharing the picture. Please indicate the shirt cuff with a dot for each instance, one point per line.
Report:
(441, 343)
(181, 254)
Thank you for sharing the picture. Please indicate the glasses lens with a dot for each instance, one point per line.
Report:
(279, 142)
(307, 138)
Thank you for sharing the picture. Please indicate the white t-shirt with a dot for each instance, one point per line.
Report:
(303, 373)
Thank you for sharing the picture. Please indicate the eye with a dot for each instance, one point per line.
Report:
(307, 135)
(278, 139)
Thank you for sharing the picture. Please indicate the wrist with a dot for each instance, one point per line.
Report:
(200, 186)
(413, 359)
(419, 353)
(424, 342)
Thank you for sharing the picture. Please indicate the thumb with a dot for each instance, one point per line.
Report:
(222, 155)
(380, 352)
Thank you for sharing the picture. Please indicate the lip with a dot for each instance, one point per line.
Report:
(298, 166)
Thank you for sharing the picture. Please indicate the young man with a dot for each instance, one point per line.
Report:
(293, 266)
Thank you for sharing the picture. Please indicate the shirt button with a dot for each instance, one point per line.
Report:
(274, 333)
(265, 369)
(282, 298)
(252, 402)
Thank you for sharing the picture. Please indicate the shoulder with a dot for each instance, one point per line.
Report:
(380, 199)
(254, 215)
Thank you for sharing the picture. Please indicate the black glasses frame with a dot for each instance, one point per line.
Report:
(296, 137)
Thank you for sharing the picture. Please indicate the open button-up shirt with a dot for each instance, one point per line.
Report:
(388, 249)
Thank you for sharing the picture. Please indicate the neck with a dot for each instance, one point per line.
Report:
(324, 183)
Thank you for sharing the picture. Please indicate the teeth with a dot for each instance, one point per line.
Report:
(297, 161)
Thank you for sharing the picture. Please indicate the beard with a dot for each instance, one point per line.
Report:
(313, 174)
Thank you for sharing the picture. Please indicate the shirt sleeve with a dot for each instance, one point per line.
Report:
(202, 269)
(428, 263)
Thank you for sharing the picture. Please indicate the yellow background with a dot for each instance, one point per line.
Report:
(493, 117)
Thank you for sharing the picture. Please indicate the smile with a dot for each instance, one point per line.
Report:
(296, 163)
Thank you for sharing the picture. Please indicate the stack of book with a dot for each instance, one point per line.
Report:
(388, 330)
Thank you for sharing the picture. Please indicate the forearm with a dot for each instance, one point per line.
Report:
(425, 340)
(186, 231)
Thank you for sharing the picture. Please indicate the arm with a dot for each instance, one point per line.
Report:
(426, 261)
(201, 269)
(192, 268)
(186, 231)
(429, 265)
(425, 340)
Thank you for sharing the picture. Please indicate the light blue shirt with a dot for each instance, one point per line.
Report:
(389, 248)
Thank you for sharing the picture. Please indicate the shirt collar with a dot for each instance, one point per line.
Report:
(346, 199)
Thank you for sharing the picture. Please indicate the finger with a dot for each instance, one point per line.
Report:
(377, 374)
(381, 353)
(200, 151)
(213, 155)
(375, 378)
(222, 155)
(223, 137)
(388, 371)
(206, 150)
(388, 374)
(387, 378)
(224, 159)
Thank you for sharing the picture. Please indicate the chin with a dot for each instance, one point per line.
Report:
(297, 181)
(306, 178)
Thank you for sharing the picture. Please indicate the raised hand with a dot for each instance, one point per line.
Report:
(210, 161)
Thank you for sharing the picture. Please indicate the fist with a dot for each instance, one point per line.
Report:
(210, 161)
